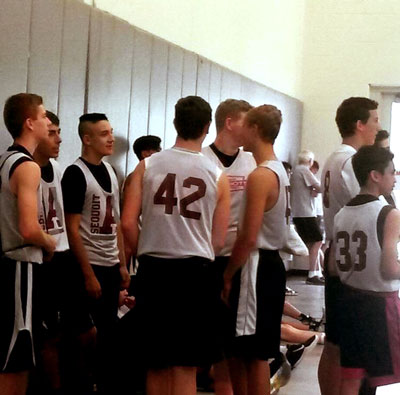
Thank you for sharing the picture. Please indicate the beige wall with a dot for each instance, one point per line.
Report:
(262, 40)
(349, 44)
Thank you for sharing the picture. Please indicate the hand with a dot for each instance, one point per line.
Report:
(125, 277)
(93, 287)
(226, 291)
(47, 256)
(50, 245)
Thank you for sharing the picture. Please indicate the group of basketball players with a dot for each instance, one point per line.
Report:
(206, 226)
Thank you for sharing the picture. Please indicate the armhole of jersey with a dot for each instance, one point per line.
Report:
(17, 163)
(381, 222)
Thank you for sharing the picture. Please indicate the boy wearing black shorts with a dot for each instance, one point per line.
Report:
(366, 234)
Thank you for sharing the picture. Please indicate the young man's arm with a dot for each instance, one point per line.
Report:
(131, 211)
(125, 277)
(390, 267)
(221, 214)
(24, 183)
(76, 244)
(260, 183)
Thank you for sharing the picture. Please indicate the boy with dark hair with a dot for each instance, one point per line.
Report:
(358, 124)
(63, 307)
(22, 240)
(366, 233)
(237, 165)
(258, 289)
(382, 139)
(91, 202)
(183, 200)
(145, 146)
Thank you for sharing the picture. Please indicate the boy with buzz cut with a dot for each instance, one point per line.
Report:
(366, 233)
(23, 240)
(91, 202)
(183, 200)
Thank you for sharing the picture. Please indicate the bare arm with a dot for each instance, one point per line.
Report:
(131, 211)
(390, 267)
(125, 278)
(221, 214)
(24, 184)
(75, 241)
(332, 269)
(260, 183)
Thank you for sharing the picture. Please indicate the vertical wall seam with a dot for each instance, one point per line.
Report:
(29, 47)
(61, 54)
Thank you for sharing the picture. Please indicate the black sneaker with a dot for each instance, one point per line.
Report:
(315, 280)
(294, 354)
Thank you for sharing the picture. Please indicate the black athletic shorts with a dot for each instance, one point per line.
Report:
(259, 314)
(308, 229)
(19, 320)
(175, 304)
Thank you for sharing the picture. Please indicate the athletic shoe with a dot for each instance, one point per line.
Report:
(290, 292)
(316, 326)
(280, 373)
(315, 280)
(294, 354)
(310, 343)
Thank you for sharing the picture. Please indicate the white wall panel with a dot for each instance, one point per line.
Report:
(158, 87)
(45, 50)
(14, 52)
(138, 124)
(189, 75)
(72, 77)
(203, 78)
(230, 85)
(174, 89)
(109, 83)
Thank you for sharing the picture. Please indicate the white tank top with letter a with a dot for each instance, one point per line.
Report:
(51, 216)
(99, 219)
(178, 203)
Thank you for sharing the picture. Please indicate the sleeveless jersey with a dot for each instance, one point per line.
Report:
(275, 224)
(237, 174)
(13, 244)
(51, 216)
(358, 248)
(179, 198)
(99, 218)
(339, 184)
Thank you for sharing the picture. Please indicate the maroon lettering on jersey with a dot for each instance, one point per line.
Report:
(237, 183)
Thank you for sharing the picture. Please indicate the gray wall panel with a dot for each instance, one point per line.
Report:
(203, 78)
(72, 77)
(189, 75)
(230, 85)
(138, 125)
(158, 88)
(45, 48)
(109, 84)
(174, 89)
(14, 50)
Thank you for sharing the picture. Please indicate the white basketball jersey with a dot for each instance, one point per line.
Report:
(179, 198)
(339, 184)
(358, 250)
(13, 244)
(237, 174)
(99, 218)
(51, 216)
(302, 203)
(275, 225)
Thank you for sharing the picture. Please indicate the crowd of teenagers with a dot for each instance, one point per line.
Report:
(175, 280)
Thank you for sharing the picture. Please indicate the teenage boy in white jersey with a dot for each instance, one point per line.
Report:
(366, 234)
(237, 165)
(183, 199)
(62, 310)
(358, 124)
(22, 239)
(258, 289)
(91, 203)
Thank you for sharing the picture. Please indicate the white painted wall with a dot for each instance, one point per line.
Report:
(262, 40)
(349, 44)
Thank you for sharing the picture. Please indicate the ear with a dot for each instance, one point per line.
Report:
(206, 128)
(228, 123)
(86, 139)
(29, 123)
(375, 175)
